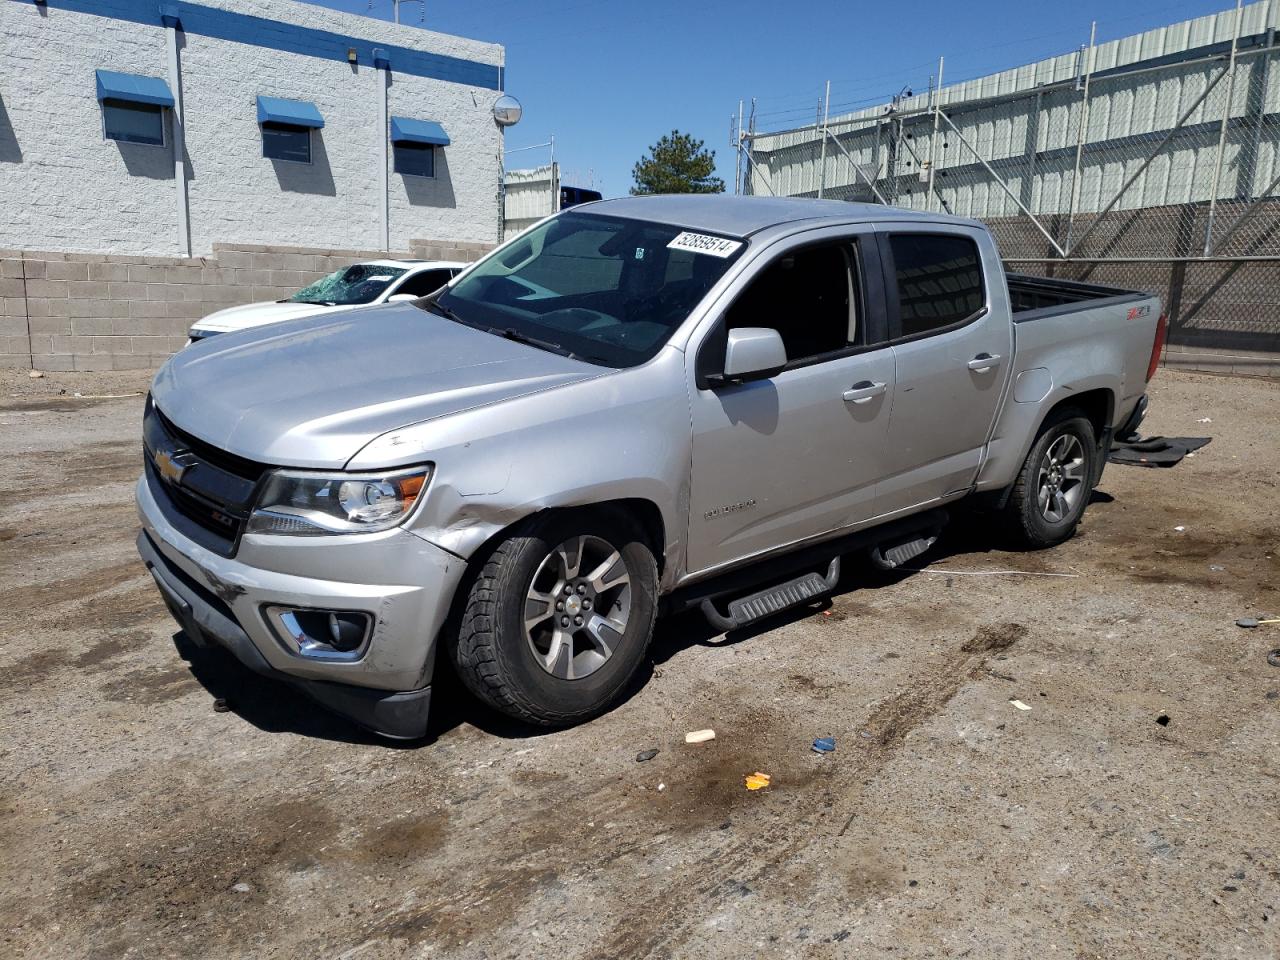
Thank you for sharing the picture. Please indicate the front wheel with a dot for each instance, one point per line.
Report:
(1054, 484)
(558, 619)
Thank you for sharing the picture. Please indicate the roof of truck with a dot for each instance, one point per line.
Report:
(743, 216)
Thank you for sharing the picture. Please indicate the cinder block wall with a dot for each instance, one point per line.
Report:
(78, 311)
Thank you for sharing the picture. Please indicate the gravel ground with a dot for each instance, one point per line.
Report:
(137, 821)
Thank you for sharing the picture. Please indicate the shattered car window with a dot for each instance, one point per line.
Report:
(361, 283)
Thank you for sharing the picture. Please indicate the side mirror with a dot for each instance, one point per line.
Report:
(753, 353)
(401, 298)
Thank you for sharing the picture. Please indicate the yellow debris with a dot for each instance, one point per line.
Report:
(758, 781)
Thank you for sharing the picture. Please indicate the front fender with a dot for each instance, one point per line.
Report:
(621, 436)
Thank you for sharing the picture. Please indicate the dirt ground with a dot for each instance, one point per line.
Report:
(135, 821)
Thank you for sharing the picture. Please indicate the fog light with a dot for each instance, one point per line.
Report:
(321, 634)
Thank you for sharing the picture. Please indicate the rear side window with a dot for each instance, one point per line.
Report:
(939, 280)
(429, 281)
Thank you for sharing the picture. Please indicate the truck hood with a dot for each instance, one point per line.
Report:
(313, 392)
(256, 314)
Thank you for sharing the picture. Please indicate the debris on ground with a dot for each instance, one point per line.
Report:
(35, 374)
(1180, 529)
(1204, 420)
(1154, 451)
(699, 736)
(1250, 623)
(1273, 657)
(824, 745)
(757, 780)
(661, 787)
(220, 705)
(1019, 704)
(1163, 719)
(644, 755)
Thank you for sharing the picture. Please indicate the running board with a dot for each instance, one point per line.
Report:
(892, 557)
(767, 603)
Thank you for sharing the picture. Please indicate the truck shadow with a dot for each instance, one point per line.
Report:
(969, 533)
(275, 707)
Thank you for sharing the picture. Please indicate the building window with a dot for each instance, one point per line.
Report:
(415, 159)
(133, 122)
(285, 142)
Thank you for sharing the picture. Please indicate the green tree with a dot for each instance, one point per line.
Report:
(677, 164)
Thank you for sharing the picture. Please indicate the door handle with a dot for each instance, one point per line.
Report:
(863, 392)
(984, 362)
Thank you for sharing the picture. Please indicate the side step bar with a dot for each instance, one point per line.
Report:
(893, 554)
(766, 603)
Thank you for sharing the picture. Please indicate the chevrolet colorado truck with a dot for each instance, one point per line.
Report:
(636, 406)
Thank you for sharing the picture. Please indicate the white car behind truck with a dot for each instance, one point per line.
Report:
(359, 285)
(638, 405)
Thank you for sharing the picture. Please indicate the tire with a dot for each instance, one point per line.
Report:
(1065, 453)
(547, 674)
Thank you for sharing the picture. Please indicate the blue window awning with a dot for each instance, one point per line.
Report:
(405, 130)
(293, 113)
(132, 88)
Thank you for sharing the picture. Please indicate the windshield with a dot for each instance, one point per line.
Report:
(361, 283)
(603, 289)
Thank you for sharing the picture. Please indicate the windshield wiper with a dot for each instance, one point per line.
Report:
(507, 333)
(510, 333)
(318, 303)
(448, 314)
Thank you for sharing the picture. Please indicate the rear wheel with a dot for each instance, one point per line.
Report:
(559, 618)
(1054, 484)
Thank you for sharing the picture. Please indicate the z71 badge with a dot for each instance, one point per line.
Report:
(728, 509)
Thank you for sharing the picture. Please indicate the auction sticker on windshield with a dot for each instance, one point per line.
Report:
(702, 243)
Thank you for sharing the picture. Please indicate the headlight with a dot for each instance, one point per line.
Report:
(310, 505)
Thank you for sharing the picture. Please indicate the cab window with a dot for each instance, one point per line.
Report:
(811, 297)
(939, 281)
(421, 284)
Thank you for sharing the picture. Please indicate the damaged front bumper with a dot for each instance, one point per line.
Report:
(233, 603)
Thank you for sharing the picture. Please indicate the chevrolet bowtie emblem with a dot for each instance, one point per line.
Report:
(169, 468)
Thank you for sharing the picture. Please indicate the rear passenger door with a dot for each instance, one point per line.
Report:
(952, 339)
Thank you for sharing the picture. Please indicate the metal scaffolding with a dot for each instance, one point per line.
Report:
(1152, 161)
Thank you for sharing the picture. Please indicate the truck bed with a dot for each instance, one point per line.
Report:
(1034, 297)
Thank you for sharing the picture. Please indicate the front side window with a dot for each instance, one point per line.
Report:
(606, 289)
(415, 159)
(809, 296)
(361, 283)
(133, 122)
(284, 142)
(939, 278)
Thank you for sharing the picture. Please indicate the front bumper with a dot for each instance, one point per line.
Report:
(403, 582)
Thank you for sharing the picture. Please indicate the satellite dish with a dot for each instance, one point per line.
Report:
(507, 111)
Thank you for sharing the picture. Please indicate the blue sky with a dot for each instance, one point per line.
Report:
(607, 78)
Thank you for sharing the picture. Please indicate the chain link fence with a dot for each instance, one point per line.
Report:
(1160, 173)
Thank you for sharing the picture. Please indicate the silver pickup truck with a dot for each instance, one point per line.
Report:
(636, 406)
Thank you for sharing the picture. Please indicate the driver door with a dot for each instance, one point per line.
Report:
(795, 456)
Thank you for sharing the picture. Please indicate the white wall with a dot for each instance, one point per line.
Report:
(64, 188)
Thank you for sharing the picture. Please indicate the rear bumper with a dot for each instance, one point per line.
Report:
(1130, 426)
